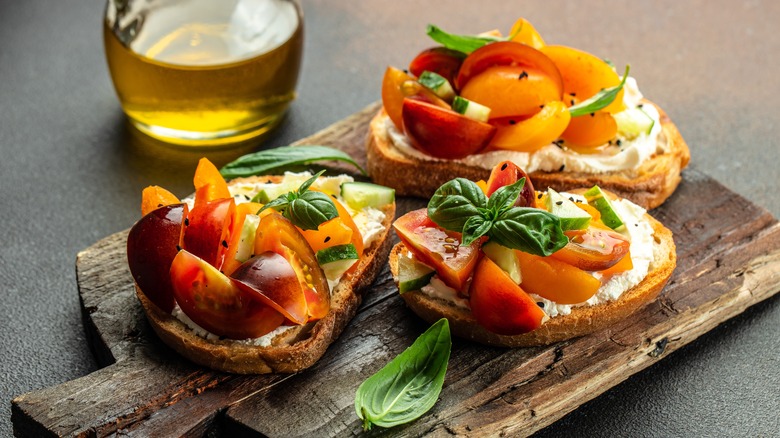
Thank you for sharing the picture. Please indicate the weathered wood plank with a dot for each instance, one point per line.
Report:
(728, 259)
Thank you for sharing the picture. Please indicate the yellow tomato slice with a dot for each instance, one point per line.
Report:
(533, 133)
(555, 280)
(511, 90)
(590, 131)
(154, 197)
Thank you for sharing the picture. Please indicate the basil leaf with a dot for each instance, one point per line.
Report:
(278, 204)
(310, 210)
(454, 202)
(600, 100)
(530, 230)
(306, 184)
(461, 43)
(506, 196)
(277, 159)
(474, 228)
(410, 384)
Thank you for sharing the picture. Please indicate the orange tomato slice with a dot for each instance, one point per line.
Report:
(154, 197)
(555, 280)
(524, 32)
(209, 184)
(590, 131)
(533, 133)
(511, 90)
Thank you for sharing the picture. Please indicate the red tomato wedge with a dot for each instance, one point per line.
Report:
(443, 133)
(438, 248)
(440, 60)
(593, 249)
(215, 303)
(508, 53)
(208, 228)
(397, 85)
(507, 173)
(151, 248)
(272, 276)
(500, 305)
(279, 235)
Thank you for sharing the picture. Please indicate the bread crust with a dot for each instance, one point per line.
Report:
(647, 186)
(291, 351)
(581, 320)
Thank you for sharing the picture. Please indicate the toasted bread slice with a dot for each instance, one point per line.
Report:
(581, 320)
(647, 186)
(292, 350)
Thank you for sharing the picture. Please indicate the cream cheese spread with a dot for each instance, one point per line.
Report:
(614, 156)
(368, 220)
(637, 229)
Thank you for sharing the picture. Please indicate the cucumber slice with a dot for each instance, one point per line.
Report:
(471, 109)
(438, 84)
(336, 260)
(505, 258)
(572, 217)
(412, 275)
(246, 244)
(633, 122)
(262, 197)
(597, 199)
(359, 195)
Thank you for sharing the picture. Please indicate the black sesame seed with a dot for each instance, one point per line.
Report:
(224, 243)
(618, 142)
(563, 166)
(159, 205)
(334, 196)
(523, 75)
(559, 203)
(539, 196)
(406, 71)
(572, 101)
(268, 182)
(571, 198)
(540, 304)
(512, 122)
(247, 197)
(186, 222)
(640, 105)
(504, 166)
(541, 106)
(573, 94)
(636, 225)
(327, 239)
(178, 248)
(593, 114)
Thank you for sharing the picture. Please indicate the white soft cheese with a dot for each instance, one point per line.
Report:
(630, 154)
(369, 222)
(637, 229)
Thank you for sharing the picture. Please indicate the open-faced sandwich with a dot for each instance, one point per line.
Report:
(511, 266)
(262, 274)
(563, 115)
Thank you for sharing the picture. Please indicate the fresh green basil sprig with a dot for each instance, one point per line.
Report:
(599, 100)
(281, 158)
(460, 205)
(461, 43)
(410, 384)
(304, 208)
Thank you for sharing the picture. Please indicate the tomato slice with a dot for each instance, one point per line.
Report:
(508, 53)
(500, 305)
(209, 184)
(443, 133)
(593, 249)
(438, 248)
(208, 228)
(215, 303)
(507, 173)
(273, 277)
(590, 131)
(151, 248)
(440, 60)
(279, 235)
(524, 32)
(154, 197)
(533, 133)
(397, 85)
(512, 90)
(555, 280)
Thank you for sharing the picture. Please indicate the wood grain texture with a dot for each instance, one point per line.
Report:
(728, 259)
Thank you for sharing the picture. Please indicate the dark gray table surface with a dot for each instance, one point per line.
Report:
(71, 171)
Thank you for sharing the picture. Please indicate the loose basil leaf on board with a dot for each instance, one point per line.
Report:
(599, 100)
(410, 384)
(281, 158)
(506, 196)
(461, 43)
(530, 230)
(311, 209)
(454, 202)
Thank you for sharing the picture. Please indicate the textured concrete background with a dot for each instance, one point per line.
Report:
(71, 172)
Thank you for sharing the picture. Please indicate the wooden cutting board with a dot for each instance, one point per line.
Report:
(728, 259)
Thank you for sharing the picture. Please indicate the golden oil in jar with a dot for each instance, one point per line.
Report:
(204, 72)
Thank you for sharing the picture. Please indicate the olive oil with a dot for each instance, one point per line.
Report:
(203, 72)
